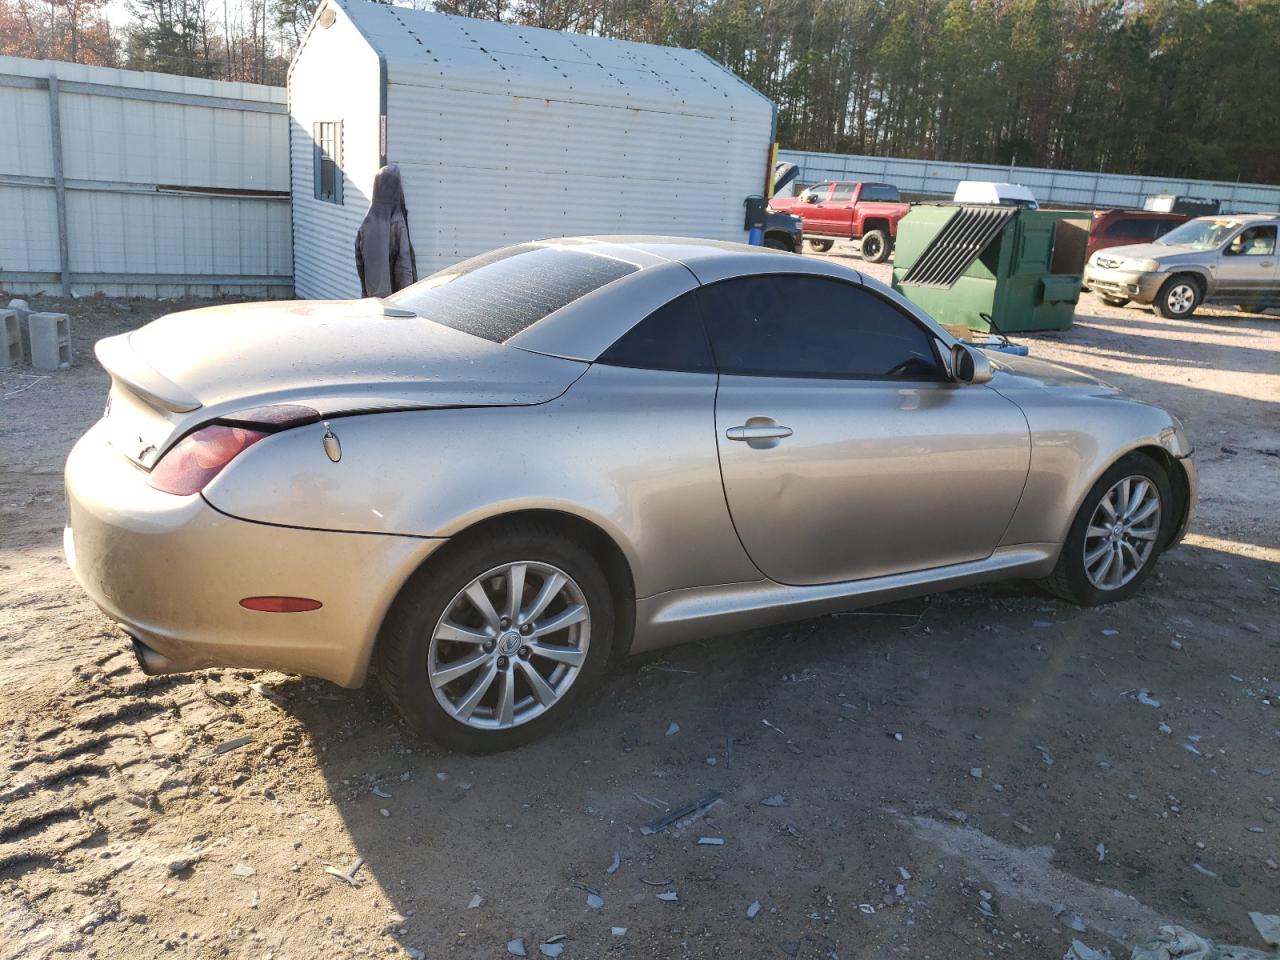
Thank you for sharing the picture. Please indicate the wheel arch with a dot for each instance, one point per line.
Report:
(1178, 483)
(878, 223)
(592, 535)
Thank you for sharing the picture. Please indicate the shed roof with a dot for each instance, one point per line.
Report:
(434, 49)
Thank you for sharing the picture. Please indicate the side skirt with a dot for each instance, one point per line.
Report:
(681, 615)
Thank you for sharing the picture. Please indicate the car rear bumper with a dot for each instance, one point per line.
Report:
(173, 570)
(1123, 284)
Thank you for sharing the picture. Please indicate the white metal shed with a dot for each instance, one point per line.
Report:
(507, 133)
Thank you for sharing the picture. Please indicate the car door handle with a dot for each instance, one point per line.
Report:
(772, 432)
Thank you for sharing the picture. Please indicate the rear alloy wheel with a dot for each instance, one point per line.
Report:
(1117, 535)
(1178, 298)
(875, 246)
(483, 656)
(820, 246)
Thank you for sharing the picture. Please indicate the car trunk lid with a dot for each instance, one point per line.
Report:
(338, 357)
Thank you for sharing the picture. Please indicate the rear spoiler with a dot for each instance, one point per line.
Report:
(126, 367)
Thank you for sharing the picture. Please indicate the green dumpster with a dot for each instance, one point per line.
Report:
(1018, 266)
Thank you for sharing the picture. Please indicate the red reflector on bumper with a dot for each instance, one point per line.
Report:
(280, 604)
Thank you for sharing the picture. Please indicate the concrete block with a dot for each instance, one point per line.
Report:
(50, 340)
(10, 339)
(23, 310)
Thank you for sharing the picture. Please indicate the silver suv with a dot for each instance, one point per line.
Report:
(1221, 259)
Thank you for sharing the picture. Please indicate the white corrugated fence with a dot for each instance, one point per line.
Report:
(147, 184)
(1070, 187)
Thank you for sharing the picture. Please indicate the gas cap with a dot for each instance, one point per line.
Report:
(332, 447)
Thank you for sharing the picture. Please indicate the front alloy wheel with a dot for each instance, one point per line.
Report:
(1117, 534)
(509, 645)
(1122, 533)
(1178, 298)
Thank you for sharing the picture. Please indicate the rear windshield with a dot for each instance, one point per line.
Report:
(498, 294)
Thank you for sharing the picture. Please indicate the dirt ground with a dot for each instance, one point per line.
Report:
(969, 775)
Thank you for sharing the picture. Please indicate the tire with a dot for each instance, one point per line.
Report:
(1075, 578)
(1178, 297)
(775, 243)
(414, 640)
(820, 246)
(1114, 301)
(876, 246)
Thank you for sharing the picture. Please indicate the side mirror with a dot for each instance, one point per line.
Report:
(969, 364)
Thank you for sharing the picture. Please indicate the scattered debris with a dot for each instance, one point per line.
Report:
(774, 800)
(670, 896)
(1145, 698)
(656, 883)
(773, 727)
(551, 949)
(673, 729)
(618, 931)
(1110, 633)
(595, 901)
(1023, 827)
(1268, 925)
(349, 874)
(475, 902)
(384, 811)
(684, 816)
(181, 864)
(516, 948)
(975, 772)
(229, 745)
(1082, 951)
(1175, 644)
(379, 792)
(242, 870)
(904, 873)
(1101, 850)
(711, 841)
(1179, 943)
(1165, 729)
(866, 908)
(617, 862)
(1201, 868)
(1045, 755)
(753, 910)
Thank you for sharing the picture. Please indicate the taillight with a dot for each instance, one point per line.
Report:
(198, 457)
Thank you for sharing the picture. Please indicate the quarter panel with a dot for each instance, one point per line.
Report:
(632, 451)
(1076, 434)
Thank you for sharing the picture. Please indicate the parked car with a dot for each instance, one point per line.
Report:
(1002, 194)
(784, 231)
(1210, 259)
(1118, 228)
(493, 482)
(848, 210)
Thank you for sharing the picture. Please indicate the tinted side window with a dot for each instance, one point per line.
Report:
(670, 338)
(784, 325)
(883, 192)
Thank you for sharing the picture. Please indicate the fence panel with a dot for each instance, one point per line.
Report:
(1051, 187)
(144, 184)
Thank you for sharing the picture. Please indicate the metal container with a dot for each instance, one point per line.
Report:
(965, 263)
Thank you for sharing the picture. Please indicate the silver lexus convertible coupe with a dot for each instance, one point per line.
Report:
(493, 482)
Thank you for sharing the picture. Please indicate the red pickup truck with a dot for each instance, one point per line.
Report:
(848, 210)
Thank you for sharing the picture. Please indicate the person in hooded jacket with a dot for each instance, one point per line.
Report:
(384, 252)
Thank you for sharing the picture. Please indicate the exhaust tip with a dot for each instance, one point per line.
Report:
(152, 662)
